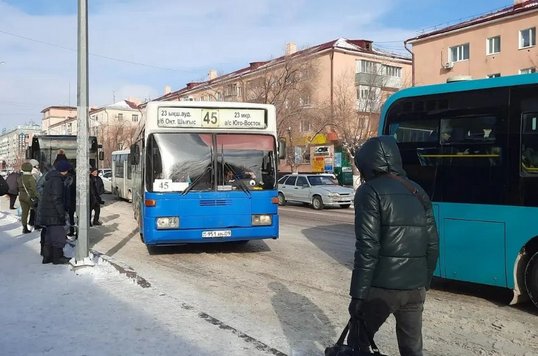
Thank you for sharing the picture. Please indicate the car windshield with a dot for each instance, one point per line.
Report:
(320, 180)
(205, 162)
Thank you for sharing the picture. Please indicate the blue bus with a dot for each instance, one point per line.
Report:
(473, 146)
(205, 172)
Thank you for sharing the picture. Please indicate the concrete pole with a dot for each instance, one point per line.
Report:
(83, 166)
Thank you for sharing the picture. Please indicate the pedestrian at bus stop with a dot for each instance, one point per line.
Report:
(4, 188)
(27, 194)
(40, 186)
(36, 173)
(53, 214)
(12, 181)
(97, 188)
(396, 247)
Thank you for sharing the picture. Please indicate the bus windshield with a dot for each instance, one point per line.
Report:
(183, 162)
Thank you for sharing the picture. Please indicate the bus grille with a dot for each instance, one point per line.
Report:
(215, 202)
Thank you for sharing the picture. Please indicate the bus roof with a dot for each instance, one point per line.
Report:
(454, 87)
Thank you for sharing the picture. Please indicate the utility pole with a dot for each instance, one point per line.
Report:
(83, 167)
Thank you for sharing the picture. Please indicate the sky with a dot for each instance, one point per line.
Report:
(137, 47)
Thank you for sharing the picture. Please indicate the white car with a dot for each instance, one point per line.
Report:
(319, 190)
(106, 176)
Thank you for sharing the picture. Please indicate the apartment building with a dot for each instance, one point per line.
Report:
(309, 88)
(499, 43)
(55, 117)
(13, 145)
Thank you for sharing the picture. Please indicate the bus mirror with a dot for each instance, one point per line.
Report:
(101, 156)
(281, 149)
(29, 153)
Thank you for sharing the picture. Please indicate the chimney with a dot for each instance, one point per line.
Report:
(291, 48)
(167, 89)
(212, 74)
(134, 100)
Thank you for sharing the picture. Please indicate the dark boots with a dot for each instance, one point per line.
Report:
(46, 252)
(25, 230)
(58, 257)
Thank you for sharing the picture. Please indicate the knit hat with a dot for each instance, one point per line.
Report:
(34, 162)
(92, 169)
(27, 167)
(63, 166)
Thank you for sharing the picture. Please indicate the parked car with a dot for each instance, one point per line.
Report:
(319, 190)
(106, 176)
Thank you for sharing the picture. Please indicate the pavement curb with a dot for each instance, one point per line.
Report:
(122, 268)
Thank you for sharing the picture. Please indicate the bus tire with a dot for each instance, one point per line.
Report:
(281, 199)
(317, 202)
(531, 279)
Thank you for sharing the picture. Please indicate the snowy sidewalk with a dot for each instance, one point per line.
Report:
(52, 310)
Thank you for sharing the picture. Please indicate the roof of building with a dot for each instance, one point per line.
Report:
(515, 9)
(21, 127)
(58, 107)
(357, 46)
(120, 105)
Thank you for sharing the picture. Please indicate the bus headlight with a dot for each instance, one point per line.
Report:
(171, 222)
(262, 220)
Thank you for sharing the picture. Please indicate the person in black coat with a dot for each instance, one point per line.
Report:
(4, 188)
(70, 186)
(397, 246)
(97, 188)
(53, 214)
(13, 184)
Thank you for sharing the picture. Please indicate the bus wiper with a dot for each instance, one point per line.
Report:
(242, 184)
(190, 187)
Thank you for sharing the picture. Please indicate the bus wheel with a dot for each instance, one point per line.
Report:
(531, 278)
(281, 199)
(317, 203)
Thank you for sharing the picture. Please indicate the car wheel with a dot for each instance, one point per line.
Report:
(281, 199)
(317, 203)
(345, 206)
(531, 278)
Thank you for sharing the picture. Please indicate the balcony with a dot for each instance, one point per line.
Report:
(378, 80)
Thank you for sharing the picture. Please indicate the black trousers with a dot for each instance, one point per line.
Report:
(71, 222)
(12, 200)
(55, 236)
(97, 209)
(31, 222)
(407, 307)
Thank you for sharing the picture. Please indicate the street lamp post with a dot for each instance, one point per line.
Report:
(83, 169)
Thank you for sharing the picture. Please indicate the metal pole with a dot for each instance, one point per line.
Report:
(83, 168)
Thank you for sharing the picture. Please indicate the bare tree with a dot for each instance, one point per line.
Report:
(115, 135)
(289, 86)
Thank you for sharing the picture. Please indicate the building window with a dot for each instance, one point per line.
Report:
(527, 38)
(368, 93)
(69, 128)
(392, 71)
(120, 116)
(368, 67)
(527, 70)
(135, 117)
(219, 96)
(496, 75)
(305, 126)
(459, 53)
(494, 45)
(304, 101)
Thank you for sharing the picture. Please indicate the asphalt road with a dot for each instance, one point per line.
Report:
(292, 293)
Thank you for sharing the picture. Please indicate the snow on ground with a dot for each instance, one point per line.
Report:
(51, 310)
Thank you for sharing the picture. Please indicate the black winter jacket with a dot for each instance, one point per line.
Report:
(4, 188)
(97, 188)
(397, 241)
(52, 209)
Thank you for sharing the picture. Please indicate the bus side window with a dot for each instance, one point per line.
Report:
(529, 144)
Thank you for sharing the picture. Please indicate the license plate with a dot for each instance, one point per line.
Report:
(219, 233)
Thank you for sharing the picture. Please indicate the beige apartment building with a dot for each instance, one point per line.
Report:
(13, 145)
(54, 121)
(321, 94)
(500, 43)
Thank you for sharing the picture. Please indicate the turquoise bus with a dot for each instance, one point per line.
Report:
(473, 146)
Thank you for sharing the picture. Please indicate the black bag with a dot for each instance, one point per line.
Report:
(350, 350)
